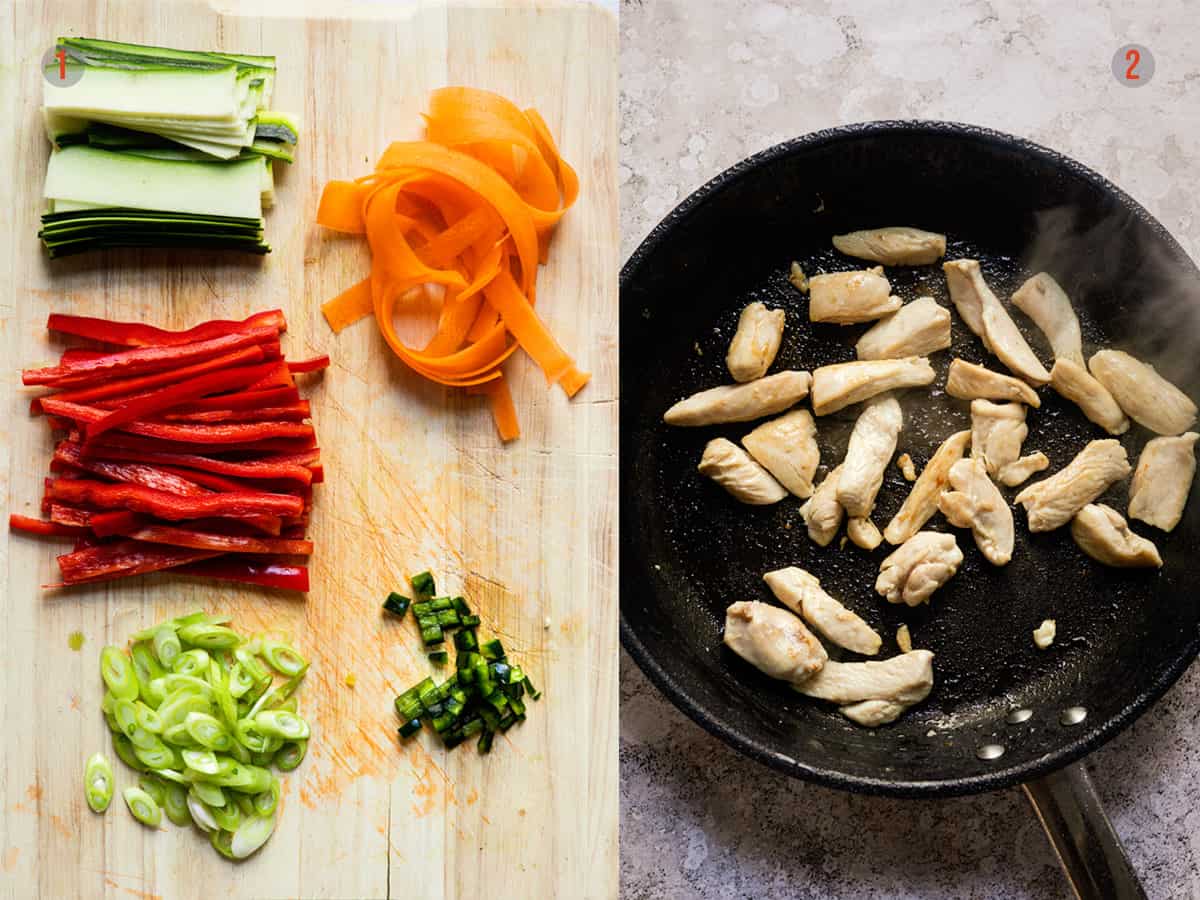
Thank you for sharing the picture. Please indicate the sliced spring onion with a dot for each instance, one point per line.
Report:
(202, 761)
(98, 782)
(117, 672)
(210, 795)
(192, 662)
(148, 718)
(209, 637)
(267, 802)
(283, 724)
(252, 665)
(290, 755)
(175, 708)
(175, 804)
(200, 813)
(227, 816)
(124, 751)
(397, 603)
(156, 755)
(207, 731)
(154, 786)
(167, 645)
(283, 658)
(251, 835)
(142, 806)
(222, 842)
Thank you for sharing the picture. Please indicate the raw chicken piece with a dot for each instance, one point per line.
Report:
(916, 329)
(1044, 634)
(1073, 381)
(1103, 534)
(732, 468)
(872, 443)
(906, 678)
(1052, 502)
(896, 245)
(987, 317)
(997, 432)
(873, 713)
(821, 512)
(976, 503)
(1163, 480)
(863, 532)
(842, 384)
(922, 500)
(847, 298)
(787, 448)
(801, 592)
(773, 640)
(755, 342)
(741, 402)
(1043, 300)
(967, 381)
(1144, 395)
(918, 567)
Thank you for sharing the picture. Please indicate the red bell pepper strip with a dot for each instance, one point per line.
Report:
(238, 432)
(279, 396)
(145, 359)
(316, 364)
(105, 562)
(281, 377)
(31, 525)
(293, 412)
(198, 539)
(173, 507)
(251, 571)
(172, 395)
(129, 472)
(111, 394)
(72, 516)
(77, 354)
(106, 524)
(133, 334)
(265, 468)
(136, 442)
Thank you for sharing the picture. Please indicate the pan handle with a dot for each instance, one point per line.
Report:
(1088, 848)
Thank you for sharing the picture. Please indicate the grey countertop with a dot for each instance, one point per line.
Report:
(704, 84)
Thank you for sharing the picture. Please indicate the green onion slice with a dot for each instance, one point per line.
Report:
(98, 782)
(117, 672)
(192, 662)
(251, 835)
(210, 637)
(142, 806)
(202, 761)
(154, 786)
(290, 755)
(283, 724)
(227, 817)
(208, 731)
(200, 813)
(175, 804)
(210, 795)
(267, 802)
(283, 658)
(166, 644)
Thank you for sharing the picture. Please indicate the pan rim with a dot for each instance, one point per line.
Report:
(1067, 753)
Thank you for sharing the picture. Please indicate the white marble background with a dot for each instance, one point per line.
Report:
(705, 83)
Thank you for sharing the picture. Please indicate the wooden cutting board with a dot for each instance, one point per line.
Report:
(416, 478)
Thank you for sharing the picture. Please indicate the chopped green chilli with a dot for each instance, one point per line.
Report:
(397, 603)
(202, 714)
(487, 692)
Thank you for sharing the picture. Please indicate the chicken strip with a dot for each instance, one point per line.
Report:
(847, 298)
(1144, 395)
(1052, 502)
(1103, 534)
(896, 245)
(1163, 480)
(741, 402)
(873, 713)
(1043, 300)
(801, 592)
(1073, 381)
(918, 567)
(976, 503)
(821, 512)
(906, 678)
(922, 500)
(997, 432)
(967, 381)
(987, 317)
(773, 641)
(916, 329)
(755, 342)
(871, 447)
(732, 468)
(842, 384)
(863, 532)
(787, 448)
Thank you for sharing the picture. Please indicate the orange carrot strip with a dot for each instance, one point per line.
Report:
(528, 329)
(349, 306)
(341, 207)
(504, 412)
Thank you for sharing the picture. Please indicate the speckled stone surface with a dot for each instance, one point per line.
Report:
(704, 84)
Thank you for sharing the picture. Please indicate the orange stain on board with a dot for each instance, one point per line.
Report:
(142, 895)
(472, 797)
(34, 792)
(9, 861)
(61, 827)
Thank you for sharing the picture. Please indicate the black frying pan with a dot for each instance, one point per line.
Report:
(688, 549)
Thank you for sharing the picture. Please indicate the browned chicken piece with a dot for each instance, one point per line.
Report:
(967, 381)
(922, 500)
(916, 329)
(787, 448)
(843, 384)
(755, 342)
(1073, 381)
(896, 245)
(976, 503)
(773, 641)
(821, 512)
(847, 298)
(1103, 534)
(801, 592)
(732, 468)
(741, 402)
(918, 567)
(1043, 300)
(905, 678)
(1144, 395)
(997, 432)
(1162, 480)
(986, 316)
(1054, 501)
(870, 449)
(864, 533)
